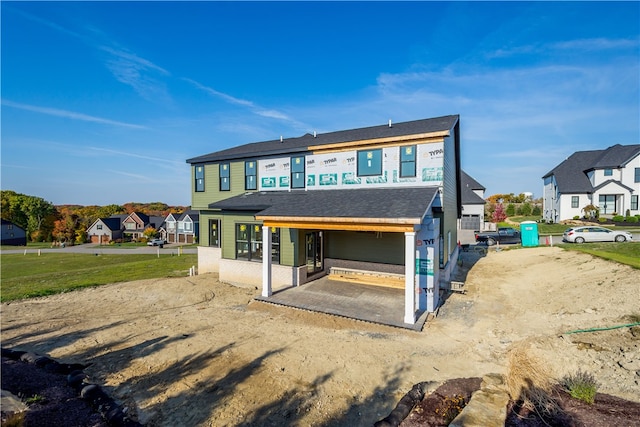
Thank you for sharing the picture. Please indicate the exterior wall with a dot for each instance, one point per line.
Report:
(212, 193)
(385, 248)
(208, 259)
(550, 200)
(13, 235)
(567, 212)
(332, 171)
(249, 273)
(449, 221)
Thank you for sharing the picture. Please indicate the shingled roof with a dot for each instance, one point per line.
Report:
(571, 174)
(408, 204)
(467, 185)
(302, 144)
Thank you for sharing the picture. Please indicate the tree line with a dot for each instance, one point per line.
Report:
(45, 222)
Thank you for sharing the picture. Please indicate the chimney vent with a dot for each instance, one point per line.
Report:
(281, 140)
(389, 122)
(314, 134)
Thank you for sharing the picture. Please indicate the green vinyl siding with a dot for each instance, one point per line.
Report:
(212, 193)
(386, 248)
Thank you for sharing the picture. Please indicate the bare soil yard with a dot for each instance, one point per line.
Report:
(193, 351)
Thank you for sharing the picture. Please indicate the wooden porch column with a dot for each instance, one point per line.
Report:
(266, 261)
(409, 277)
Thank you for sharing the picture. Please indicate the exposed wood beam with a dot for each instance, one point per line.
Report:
(396, 140)
(344, 226)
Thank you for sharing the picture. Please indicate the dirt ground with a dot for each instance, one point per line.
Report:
(193, 351)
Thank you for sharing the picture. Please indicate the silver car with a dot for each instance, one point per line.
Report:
(594, 234)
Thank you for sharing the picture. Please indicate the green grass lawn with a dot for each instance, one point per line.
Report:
(624, 253)
(558, 229)
(25, 276)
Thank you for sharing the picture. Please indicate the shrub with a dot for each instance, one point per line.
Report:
(602, 219)
(632, 219)
(618, 218)
(581, 385)
(536, 211)
(511, 209)
(576, 217)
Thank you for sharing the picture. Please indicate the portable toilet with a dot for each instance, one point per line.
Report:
(529, 233)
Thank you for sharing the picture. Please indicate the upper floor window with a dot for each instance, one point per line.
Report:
(99, 226)
(574, 201)
(250, 176)
(636, 177)
(297, 172)
(225, 177)
(199, 175)
(608, 172)
(408, 161)
(370, 162)
(634, 203)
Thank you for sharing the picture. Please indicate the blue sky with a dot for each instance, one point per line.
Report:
(103, 102)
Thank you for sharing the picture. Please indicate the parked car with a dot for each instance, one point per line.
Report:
(594, 234)
(156, 242)
(503, 235)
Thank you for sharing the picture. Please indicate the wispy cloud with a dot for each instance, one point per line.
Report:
(135, 176)
(128, 68)
(141, 74)
(255, 109)
(69, 114)
(597, 44)
(136, 155)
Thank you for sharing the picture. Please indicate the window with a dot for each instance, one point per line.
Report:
(408, 161)
(370, 162)
(636, 177)
(608, 172)
(275, 245)
(214, 233)
(574, 201)
(187, 226)
(199, 178)
(297, 172)
(634, 203)
(249, 242)
(250, 178)
(225, 177)
(99, 226)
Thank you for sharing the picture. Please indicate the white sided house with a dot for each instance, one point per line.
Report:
(384, 199)
(607, 179)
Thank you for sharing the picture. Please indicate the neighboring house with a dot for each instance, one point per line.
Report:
(188, 227)
(136, 222)
(12, 234)
(608, 179)
(105, 230)
(182, 228)
(383, 198)
(472, 203)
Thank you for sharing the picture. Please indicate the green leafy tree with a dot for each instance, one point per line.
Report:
(511, 209)
(34, 214)
(536, 211)
(525, 209)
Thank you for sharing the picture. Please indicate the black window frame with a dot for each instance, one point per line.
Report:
(575, 201)
(248, 166)
(224, 169)
(371, 170)
(297, 168)
(634, 202)
(218, 227)
(199, 178)
(251, 242)
(407, 160)
(636, 176)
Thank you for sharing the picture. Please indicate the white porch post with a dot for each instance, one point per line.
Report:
(409, 277)
(266, 261)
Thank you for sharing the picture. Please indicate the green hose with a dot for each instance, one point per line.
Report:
(628, 325)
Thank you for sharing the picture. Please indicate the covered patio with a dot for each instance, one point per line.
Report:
(376, 304)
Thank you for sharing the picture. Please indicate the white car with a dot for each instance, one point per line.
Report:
(594, 234)
(156, 242)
